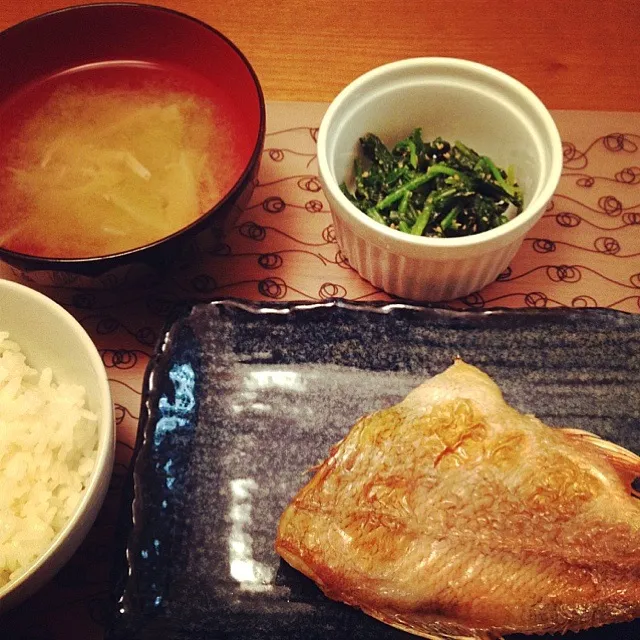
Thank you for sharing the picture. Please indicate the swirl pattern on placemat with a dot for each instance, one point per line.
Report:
(583, 253)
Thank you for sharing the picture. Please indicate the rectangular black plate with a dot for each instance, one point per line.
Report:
(240, 400)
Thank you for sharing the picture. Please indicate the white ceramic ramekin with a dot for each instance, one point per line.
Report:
(456, 100)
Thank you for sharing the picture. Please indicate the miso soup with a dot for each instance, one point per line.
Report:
(110, 157)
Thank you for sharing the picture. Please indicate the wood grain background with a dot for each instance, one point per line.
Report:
(575, 54)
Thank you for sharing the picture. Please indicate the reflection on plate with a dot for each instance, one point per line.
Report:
(240, 400)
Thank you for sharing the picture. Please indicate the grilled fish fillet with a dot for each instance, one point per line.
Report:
(452, 515)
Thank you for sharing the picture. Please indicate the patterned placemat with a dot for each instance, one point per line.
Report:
(585, 252)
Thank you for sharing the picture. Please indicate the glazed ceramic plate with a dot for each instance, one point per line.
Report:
(241, 400)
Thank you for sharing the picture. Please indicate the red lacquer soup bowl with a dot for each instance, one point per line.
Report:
(131, 137)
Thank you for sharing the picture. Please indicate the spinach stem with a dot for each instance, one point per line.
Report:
(404, 203)
(422, 220)
(413, 184)
(450, 218)
(418, 181)
(495, 172)
(374, 215)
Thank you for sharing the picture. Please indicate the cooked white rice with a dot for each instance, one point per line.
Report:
(48, 445)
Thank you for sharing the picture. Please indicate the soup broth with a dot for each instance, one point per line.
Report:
(111, 157)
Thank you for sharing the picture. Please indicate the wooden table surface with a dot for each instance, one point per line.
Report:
(575, 54)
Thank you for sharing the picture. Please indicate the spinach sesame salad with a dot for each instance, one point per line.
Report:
(432, 189)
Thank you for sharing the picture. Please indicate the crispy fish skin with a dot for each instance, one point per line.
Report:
(453, 515)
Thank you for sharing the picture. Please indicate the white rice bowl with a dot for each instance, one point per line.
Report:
(53, 516)
(48, 447)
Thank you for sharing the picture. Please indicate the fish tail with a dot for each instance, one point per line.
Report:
(625, 463)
